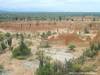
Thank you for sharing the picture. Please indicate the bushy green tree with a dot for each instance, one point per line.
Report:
(21, 51)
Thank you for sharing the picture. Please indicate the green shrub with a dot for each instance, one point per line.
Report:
(8, 35)
(21, 51)
(90, 53)
(45, 69)
(71, 47)
(76, 67)
(3, 45)
(43, 35)
(9, 41)
(1, 36)
(49, 33)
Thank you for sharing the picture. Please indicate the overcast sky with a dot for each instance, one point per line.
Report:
(51, 5)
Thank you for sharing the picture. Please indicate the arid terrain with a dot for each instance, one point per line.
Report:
(60, 40)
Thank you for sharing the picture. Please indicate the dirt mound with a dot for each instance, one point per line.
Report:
(66, 38)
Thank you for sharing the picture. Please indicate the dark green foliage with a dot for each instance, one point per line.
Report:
(9, 40)
(46, 69)
(58, 68)
(21, 51)
(49, 33)
(1, 36)
(50, 68)
(8, 35)
(89, 53)
(71, 47)
(93, 50)
(43, 35)
(3, 45)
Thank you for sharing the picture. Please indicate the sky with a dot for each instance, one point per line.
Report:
(50, 5)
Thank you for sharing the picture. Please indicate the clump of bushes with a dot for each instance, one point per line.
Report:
(5, 41)
(3, 45)
(93, 50)
(21, 51)
(45, 67)
(45, 35)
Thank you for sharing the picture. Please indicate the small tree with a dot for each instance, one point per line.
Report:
(72, 46)
(22, 51)
(9, 41)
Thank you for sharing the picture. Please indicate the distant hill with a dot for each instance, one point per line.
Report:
(3, 11)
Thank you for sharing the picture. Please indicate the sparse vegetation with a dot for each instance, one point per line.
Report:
(47, 36)
(71, 66)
